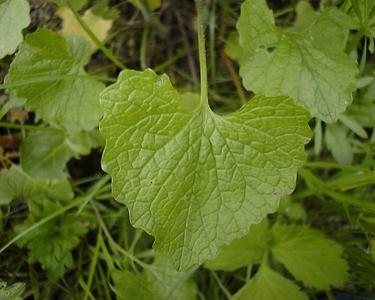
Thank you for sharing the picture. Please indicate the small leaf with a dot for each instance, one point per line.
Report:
(51, 244)
(232, 46)
(363, 114)
(292, 209)
(308, 66)
(45, 153)
(130, 286)
(309, 256)
(12, 103)
(243, 252)
(99, 26)
(14, 16)
(193, 179)
(352, 124)
(305, 15)
(338, 143)
(16, 184)
(269, 285)
(72, 102)
(158, 282)
(81, 143)
(365, 12)
(12, 292)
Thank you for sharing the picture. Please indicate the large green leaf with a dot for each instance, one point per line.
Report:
(269, 285)
(158, 282)
(309, 256)
(71, 102)
(243, 252)
(307, 65)
(14, 16)
(193, 179)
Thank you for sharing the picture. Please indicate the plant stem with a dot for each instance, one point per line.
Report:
(202, 53)
(46, 78)
(97, 42)
(41, 222)
(160, 30)
(221, 285)
(143, 50)
(112, 242)
(23, 126)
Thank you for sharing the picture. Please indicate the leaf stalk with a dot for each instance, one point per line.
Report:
(202, 52)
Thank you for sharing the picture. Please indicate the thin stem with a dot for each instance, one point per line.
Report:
(39, 79)
(41, 222)
(22, 126)
(93, 191)
(212, 44)
(221, 285)
(187, 46)
(97, 42)
(202, 53)
(160, 30)
(143, 51)
(92, 268)
(316, 184)
(236, 80)
(59, 212)
(112, 242)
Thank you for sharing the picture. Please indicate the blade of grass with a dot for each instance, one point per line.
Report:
(319, 185)
(92, 267)
(59, 212)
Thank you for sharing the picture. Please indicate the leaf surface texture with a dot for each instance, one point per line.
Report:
(70, 102)
(310, 256)
(307, 65)
(193, 179)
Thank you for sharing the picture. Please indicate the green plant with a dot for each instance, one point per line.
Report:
(207, 179)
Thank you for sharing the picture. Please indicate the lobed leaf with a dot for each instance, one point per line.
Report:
(269, 285)
(307, 65)
(70, 102)
(14, 16)
(51, 244)
(243, 252)
(16, 184)
(336, 138)
(193, 179)
(158, 282)
(309, 256)
(45, 153)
